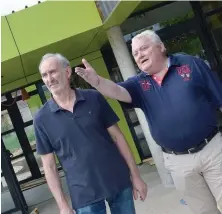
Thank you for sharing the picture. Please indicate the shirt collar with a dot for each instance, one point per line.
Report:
(54, 107)
(173, 61)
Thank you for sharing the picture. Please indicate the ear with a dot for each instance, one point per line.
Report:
(69, 72)
(162, 48)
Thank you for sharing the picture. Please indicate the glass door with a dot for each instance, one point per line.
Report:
(15, 117)
(18, 132)
(12, 199)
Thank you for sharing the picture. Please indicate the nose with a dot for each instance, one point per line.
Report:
(49, 79)
(140, 55)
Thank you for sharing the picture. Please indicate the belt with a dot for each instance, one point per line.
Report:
(196, 148)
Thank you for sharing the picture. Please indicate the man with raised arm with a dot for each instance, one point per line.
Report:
(179, 96)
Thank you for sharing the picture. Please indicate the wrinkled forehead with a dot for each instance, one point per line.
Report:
(50, 64)
(138, 42)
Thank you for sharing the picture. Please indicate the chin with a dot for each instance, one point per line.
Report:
(54, 91)
(145, 69)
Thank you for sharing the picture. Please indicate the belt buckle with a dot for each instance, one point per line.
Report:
(189, 150)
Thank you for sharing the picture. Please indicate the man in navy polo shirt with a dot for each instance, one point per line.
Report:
(81, 128)
(179, 95)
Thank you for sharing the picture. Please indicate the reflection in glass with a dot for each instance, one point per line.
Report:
(142, 141)
(24, 110)
(16, 93)
(21, 168)
(6, 122)
(12, 143)
(34, 104)
(29, 108)
(31, 136)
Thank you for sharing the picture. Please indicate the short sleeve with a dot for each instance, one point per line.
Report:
(108, 116)
(131, 86)
(211, 82)
(43, 145)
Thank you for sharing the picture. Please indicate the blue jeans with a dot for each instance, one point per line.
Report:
(122, 203)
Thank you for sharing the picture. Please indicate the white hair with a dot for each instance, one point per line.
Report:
(59, 57)
(148, 34)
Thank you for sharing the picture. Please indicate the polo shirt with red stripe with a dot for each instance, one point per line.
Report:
(181, 109)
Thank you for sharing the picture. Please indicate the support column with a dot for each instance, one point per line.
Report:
(127, 69)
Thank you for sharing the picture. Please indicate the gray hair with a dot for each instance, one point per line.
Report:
(61, 59)
(149, 34)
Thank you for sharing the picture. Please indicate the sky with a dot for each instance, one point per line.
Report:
(7, 6)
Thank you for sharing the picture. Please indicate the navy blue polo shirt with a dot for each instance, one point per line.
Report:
(181, 111)
(93, 165)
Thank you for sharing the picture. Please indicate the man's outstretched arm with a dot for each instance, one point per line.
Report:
(106, 87)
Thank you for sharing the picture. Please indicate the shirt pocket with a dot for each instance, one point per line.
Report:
(88, 118)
